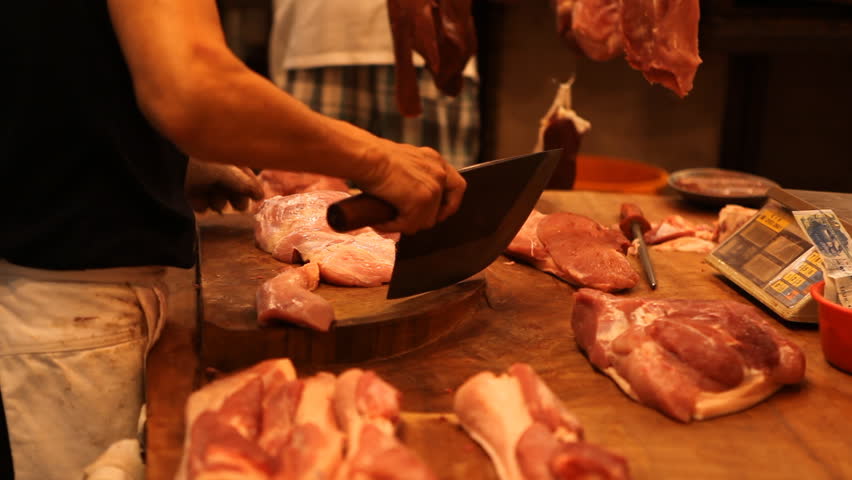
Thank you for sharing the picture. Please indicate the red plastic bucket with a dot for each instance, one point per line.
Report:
(835, 329)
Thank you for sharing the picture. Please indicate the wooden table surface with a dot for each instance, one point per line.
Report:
(800, 432)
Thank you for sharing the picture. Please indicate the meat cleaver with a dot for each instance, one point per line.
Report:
(500, 196)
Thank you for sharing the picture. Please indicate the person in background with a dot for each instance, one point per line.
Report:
(103, 104)
(336, 56)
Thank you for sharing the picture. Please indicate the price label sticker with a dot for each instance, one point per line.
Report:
(815, 258)
(807, 269)
(774, 220)
(794, 278)
(780, 286)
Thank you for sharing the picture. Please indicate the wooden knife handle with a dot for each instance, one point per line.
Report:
(359, 211)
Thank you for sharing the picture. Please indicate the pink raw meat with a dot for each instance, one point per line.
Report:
(658, 38)
(690, 359)
(576, 249)
(288, 297)
(527, 432)
(294, 229)
(661, 41)
(367, 410)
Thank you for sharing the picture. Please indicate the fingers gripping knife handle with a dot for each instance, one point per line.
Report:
(359, 211)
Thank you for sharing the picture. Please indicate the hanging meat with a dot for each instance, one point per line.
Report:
(443, 33)
(561, 127)
(660, 39)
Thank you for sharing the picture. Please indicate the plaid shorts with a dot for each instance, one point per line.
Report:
(364, 96)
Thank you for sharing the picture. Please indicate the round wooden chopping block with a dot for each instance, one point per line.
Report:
(368, 326)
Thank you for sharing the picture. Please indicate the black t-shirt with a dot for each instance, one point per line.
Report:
(85, 181)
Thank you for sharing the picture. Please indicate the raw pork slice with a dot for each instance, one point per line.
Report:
(367, 409)
(576, 249)
(526, 430)
(265, 424)
(294, 229)
(690, 359)
(288, 297)
(224, 421)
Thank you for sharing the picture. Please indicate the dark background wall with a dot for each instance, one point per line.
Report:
(773, 96)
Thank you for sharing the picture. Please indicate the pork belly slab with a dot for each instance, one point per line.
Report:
(526, 430)
(576, 249)
(690, 359)
(264, 423)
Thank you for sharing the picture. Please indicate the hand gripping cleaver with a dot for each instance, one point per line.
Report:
(499, 197)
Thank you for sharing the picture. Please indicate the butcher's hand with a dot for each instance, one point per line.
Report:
(418, 181)
(213, 186)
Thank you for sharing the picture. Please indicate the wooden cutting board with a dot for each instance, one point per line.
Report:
(800, 432)
(367, 327)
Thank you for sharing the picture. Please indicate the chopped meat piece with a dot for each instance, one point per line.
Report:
(288, 297)
(314, 446)
(281, 182)
(527, 432)
(280, 217)
(294, 228)
(686, 244)
(365, 260)
(690, 359)
(224, 422)
(673, 226)
(265, 424)
(576, 249)
(367, 409)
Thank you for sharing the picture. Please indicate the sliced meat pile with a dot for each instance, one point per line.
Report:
(294, 229)
(265, 423)
(281, 182)
(442, 31)
(526, 430)
(576, 249)
(561, 127)
(690, 359)
(660, 39)
(677, 234)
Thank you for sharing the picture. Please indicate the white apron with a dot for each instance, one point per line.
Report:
(72, 355)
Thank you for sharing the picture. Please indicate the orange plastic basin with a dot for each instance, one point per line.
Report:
(609, 174)
(835, 329)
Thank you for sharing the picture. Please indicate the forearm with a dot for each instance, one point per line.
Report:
(236, 116)
(198, 94)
